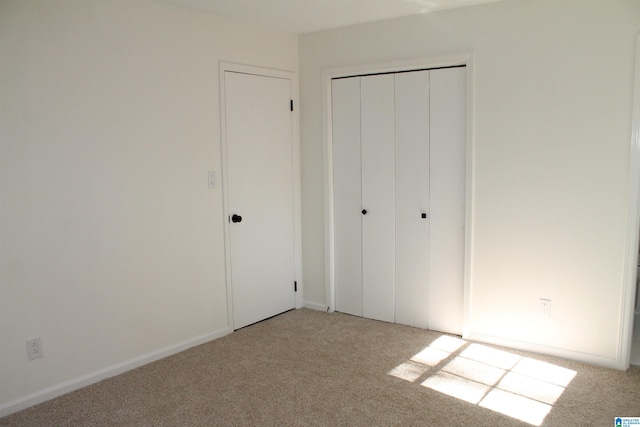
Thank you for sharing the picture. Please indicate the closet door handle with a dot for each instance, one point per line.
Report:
(236, 218)
(364, 211)
(423, 215)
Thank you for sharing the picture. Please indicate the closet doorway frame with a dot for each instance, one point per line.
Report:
(629, 281)
(457, 60)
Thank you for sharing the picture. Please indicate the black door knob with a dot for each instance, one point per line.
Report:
(364, 211)
(236, 218)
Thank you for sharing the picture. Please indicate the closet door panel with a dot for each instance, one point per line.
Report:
(378, 196)
(347, 195)
(448, 142)
(412, 198)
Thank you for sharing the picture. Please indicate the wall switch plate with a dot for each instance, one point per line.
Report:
(34, 348)
(544, 307)
(211, 179)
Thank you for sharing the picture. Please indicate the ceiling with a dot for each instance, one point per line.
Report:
(304, 16)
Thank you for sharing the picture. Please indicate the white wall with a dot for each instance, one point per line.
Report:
(552, 120)
(111, 243)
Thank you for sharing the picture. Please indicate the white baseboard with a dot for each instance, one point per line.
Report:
(315, 306)
(102, 374)
(592, 359)
(634, 359)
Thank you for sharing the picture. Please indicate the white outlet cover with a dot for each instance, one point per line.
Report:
(34, 348)
(211, 179)
(544, 307)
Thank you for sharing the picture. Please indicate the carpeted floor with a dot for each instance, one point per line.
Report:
(308, 368)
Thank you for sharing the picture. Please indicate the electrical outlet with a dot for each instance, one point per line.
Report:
(545, 307)
(34, 348)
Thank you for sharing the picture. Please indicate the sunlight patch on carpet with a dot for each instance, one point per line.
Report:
(515, 406)
(430, 356)
(519, 387)
(409, 371)
(458, 387)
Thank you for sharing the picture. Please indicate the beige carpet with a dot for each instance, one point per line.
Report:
(308, 368)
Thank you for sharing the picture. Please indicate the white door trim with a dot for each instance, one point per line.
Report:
(389, 67)
(295, 140)
(633, 227)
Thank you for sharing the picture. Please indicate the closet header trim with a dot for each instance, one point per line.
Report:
(397, 72)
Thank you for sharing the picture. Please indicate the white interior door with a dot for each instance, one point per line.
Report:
(412, 198)
(347, 195)
(378, 197)
(447, 219)
(259, 176)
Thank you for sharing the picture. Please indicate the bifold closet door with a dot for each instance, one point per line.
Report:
(347, 178)
(399, 196)
(448, 184)
(364, 195)
(378, 196)
(412, 198)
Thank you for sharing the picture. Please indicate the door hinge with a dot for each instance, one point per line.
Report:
(295, 286)
(291, 105)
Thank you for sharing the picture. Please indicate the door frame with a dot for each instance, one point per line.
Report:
(633, 227)
(465, 59)
(295, 155)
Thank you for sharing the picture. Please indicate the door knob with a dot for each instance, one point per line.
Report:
(364, 211)
(236, 218)
(423, 215)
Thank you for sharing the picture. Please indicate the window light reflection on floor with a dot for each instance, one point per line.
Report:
(409, 371)
(519, 387)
